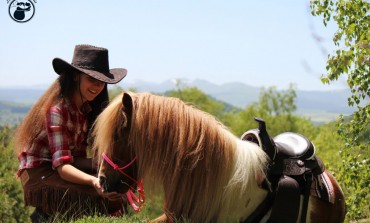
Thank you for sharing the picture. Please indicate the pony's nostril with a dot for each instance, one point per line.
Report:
(103, 183)
(102, 180)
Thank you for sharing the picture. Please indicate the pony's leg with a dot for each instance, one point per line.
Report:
(162, 218)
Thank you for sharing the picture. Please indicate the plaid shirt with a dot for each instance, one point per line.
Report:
(64, 137)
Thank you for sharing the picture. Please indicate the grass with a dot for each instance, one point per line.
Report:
(152, 209)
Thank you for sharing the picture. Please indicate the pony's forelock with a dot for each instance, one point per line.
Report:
(107, 125)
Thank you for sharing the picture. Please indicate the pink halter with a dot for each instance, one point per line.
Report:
(131, 197)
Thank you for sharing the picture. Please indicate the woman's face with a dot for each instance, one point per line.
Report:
(90, 87)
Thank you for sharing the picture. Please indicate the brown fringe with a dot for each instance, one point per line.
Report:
(68, 203)
(45, 190)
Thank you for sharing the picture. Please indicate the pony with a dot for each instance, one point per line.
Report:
(206, 173)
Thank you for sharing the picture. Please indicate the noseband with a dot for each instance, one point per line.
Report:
(131, 197)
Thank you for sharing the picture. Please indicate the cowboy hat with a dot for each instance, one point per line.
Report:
(93, 61)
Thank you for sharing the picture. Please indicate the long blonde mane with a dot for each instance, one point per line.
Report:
(206, 172)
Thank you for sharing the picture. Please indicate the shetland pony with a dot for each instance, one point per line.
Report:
(206, 173)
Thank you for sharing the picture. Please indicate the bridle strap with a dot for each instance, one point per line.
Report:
(131, 197)
(115, 166)
(120, 169)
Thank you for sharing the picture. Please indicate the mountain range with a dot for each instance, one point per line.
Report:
(316, 105)
(241, 95)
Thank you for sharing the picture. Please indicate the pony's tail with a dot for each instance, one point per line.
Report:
(250, 165)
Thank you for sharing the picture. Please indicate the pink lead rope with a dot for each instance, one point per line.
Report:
(131, 197)
(135, 202)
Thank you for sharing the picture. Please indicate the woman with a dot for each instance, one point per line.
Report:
(56, 175)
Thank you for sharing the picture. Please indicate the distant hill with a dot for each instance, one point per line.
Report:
(236, 94)
(12, 113)
(20, 95)
(241, 95)
(320, 106)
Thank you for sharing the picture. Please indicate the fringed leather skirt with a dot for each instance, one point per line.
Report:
(46, 190)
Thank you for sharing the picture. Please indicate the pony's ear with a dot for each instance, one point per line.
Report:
(127, 104)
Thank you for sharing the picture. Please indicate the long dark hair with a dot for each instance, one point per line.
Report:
(69, 85)
(63, 87)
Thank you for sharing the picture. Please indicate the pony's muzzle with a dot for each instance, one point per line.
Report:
(103, 182)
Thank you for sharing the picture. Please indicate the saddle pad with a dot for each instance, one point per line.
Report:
(323, 188)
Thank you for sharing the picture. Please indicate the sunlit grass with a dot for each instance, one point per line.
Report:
(152, 208)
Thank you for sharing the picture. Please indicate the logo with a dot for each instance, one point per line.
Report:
(21, 10)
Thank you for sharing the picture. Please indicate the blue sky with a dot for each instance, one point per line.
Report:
(261, 43)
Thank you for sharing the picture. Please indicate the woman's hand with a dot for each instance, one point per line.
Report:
(74, 175)
(112, 196)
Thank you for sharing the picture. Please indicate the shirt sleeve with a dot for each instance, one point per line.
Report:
(56, 124)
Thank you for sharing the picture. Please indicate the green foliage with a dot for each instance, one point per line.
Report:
(355, 169)
(12, 113)
(275, 102)
(356, 182)
(199, 99)
(116, 90)
(276, 108)
(328, 143)
(352, 58)
(12, 207)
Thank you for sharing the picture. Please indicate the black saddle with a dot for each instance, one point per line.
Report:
(292, 167)
(294, 145)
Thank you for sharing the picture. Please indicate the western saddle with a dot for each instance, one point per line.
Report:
(292, 168)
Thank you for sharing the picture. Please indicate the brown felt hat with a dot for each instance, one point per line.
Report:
(92, 61)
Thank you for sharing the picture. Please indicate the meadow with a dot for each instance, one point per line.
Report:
(280, 118)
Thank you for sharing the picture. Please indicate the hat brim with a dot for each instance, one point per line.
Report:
(112, 77)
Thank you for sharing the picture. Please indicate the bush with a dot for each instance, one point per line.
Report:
(12, 208)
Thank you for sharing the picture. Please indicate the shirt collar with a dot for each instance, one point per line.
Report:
(85, 108)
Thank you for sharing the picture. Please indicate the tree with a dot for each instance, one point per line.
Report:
(116, 90)
(276, 108)
(352, 58)
(276, 102)
(197, 98)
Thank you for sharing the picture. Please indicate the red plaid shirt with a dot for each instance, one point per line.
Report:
(63, 138)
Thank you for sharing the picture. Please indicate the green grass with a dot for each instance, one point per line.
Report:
(151, 209)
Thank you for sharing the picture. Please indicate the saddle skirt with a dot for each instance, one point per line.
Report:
(323, 188)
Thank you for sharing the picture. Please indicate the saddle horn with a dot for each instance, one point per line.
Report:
(268, 144)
